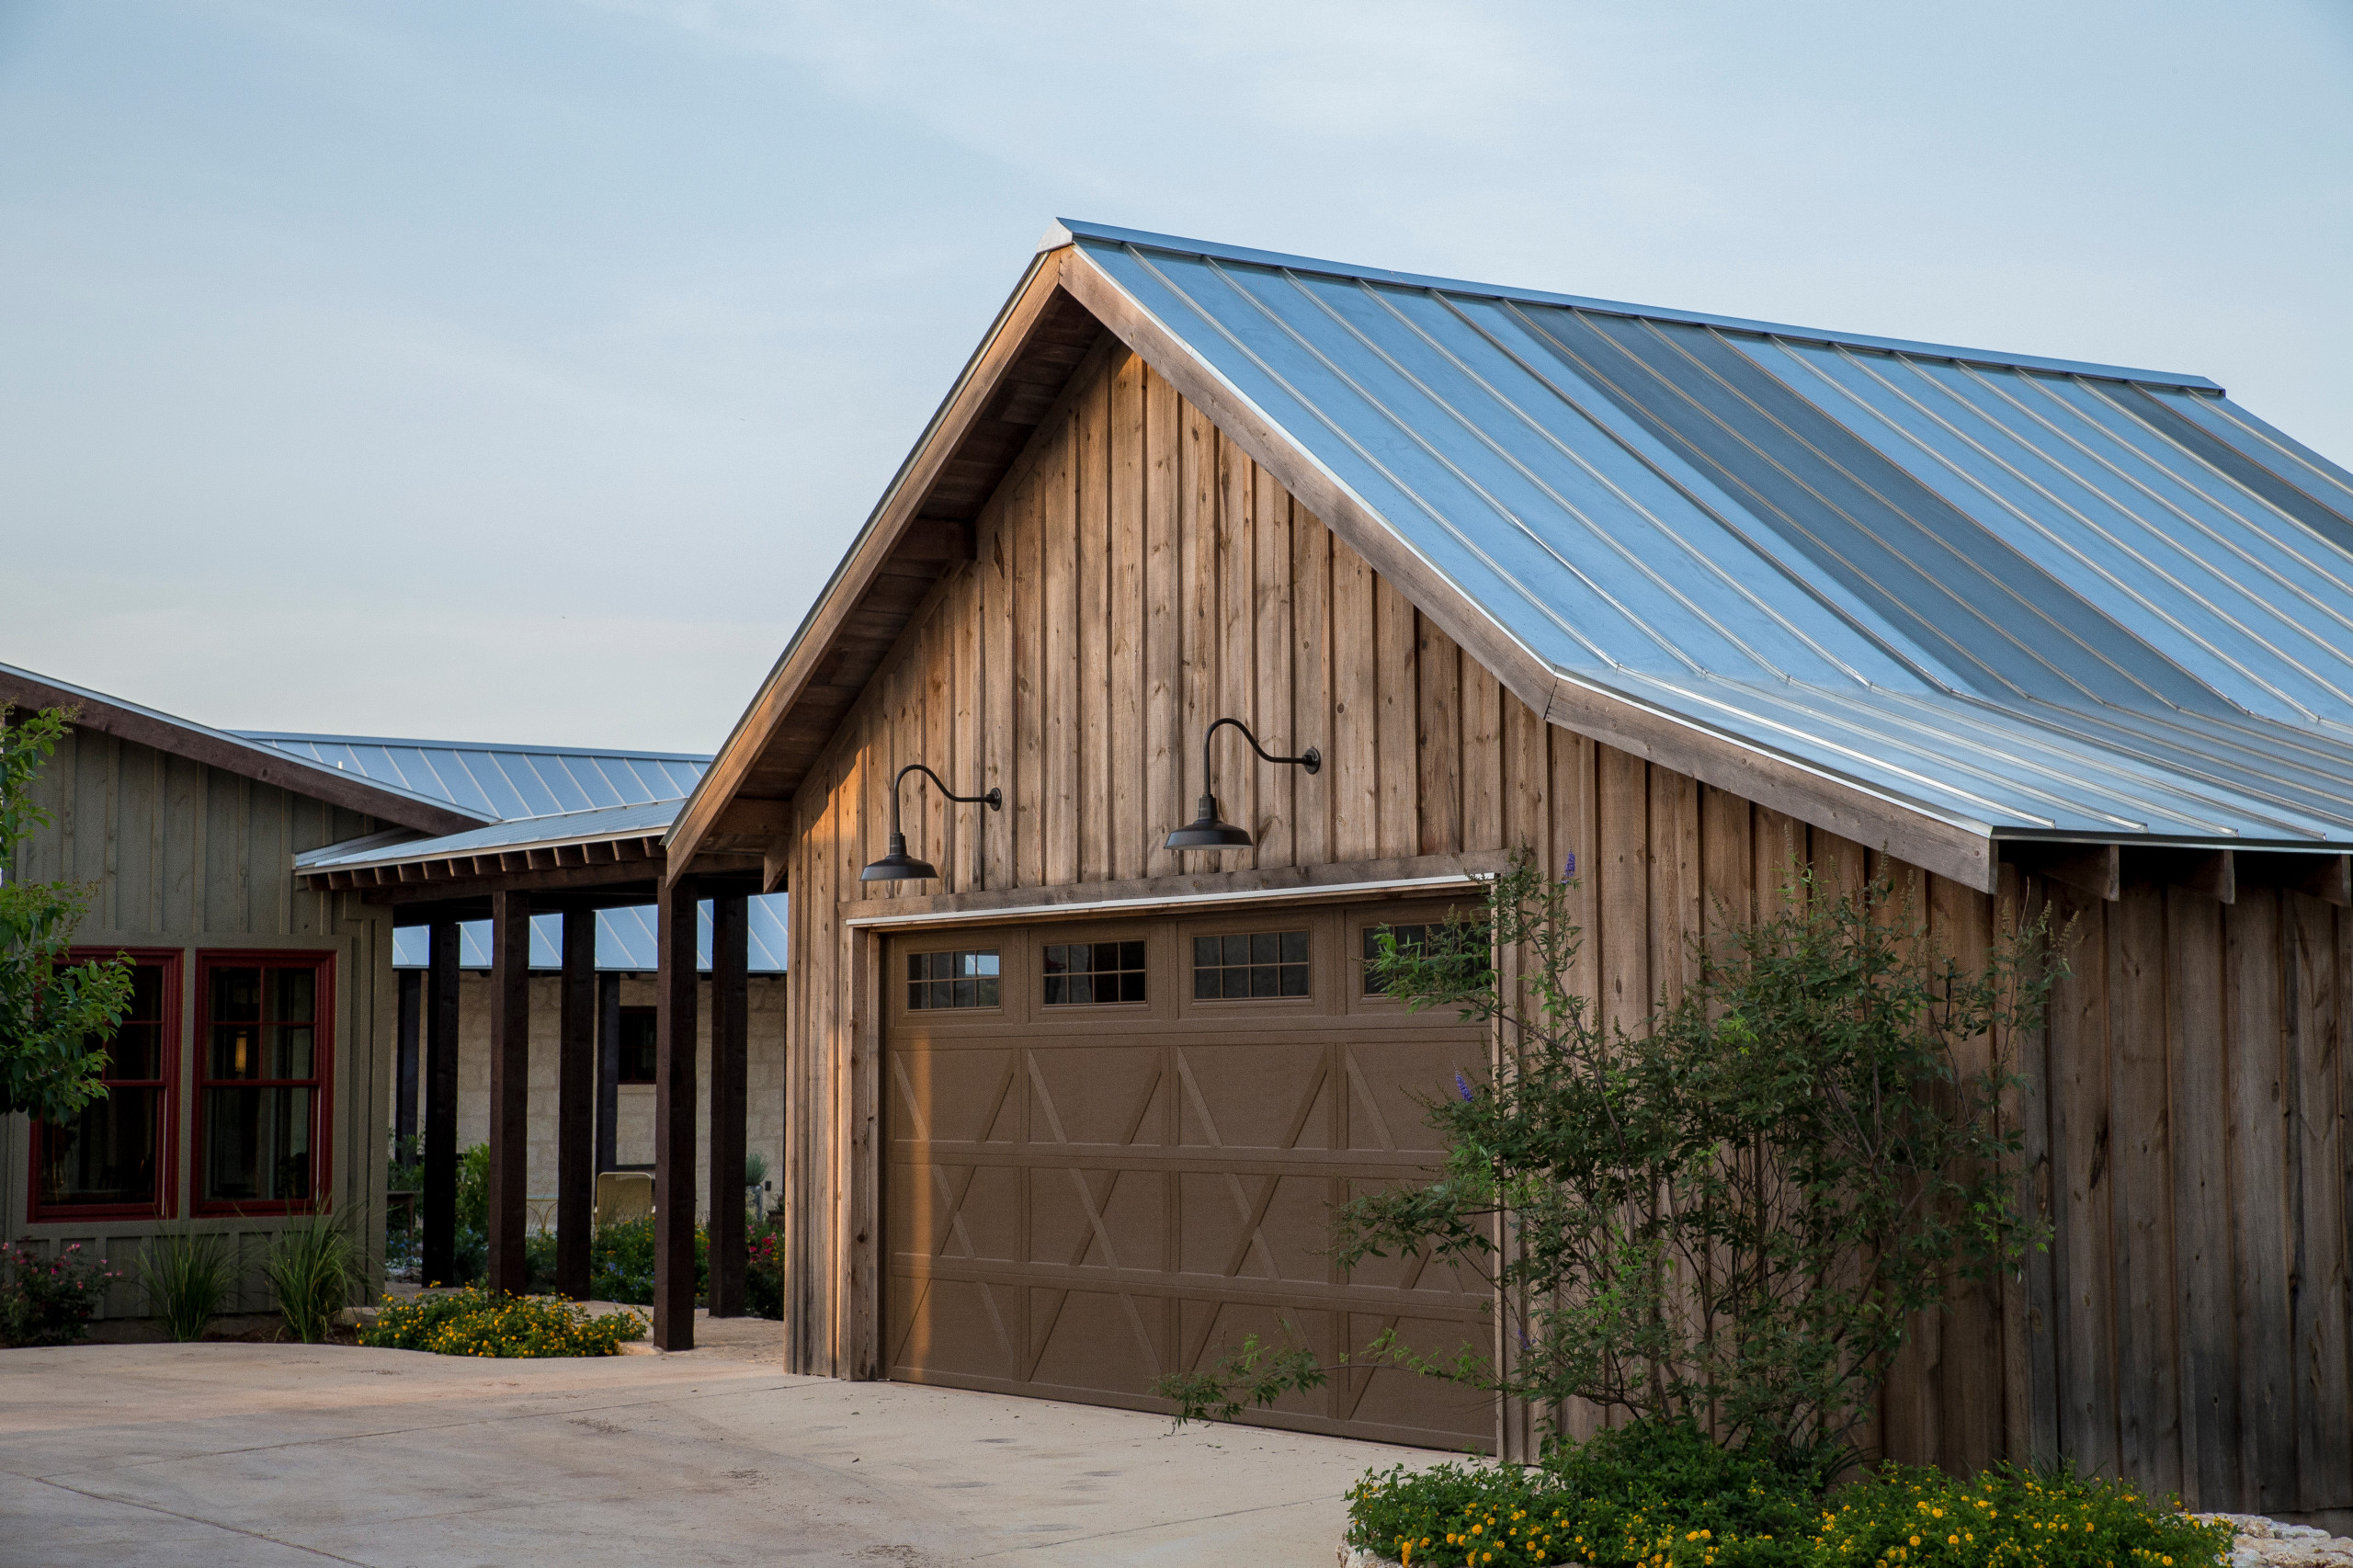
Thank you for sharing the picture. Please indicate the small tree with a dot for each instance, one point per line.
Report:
(1726, 1218)
(54, 1016)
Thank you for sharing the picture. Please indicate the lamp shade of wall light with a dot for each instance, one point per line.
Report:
(898, 866)
(1209, 829)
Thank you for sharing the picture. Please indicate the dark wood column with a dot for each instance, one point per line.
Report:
(440, 1257)
(609, 1070)
(510, 1084)
(674, 1119)
(575, 1135)
(730, 1009)
(411, 1027)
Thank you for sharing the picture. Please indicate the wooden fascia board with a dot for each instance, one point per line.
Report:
(982, 375)
(243, 758)
(1963, 852)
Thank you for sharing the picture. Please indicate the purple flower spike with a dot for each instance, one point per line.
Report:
(1463, 1086)
(1569, 872)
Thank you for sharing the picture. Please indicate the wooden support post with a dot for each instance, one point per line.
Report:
(412, 1024)
(609, 1070)
(673, 1119)
(730, 1019)
(510, 1085)
(440, 1259)
(575, 1135)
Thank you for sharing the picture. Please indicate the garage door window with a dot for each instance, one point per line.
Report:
(1080, 974)
(1468, 956)
(1254, 963)
(967, 978)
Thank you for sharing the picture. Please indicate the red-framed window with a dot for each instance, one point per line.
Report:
(117, 1159)
(264, 1051)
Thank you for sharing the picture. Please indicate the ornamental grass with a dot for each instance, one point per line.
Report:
(475, 1321)
(1637, 1498)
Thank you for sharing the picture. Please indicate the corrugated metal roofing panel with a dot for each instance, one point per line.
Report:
(624, 939)
(505, 781)
(521, 833)
(2023, 595)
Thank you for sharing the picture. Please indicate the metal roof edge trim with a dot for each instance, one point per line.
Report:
(343, 778)
(425, 849)
(1303, 893)
(320, 737)
(931, 430)
(1079, 229)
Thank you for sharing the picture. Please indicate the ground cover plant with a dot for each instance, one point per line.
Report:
(474, 1321)
(1660, 1494)
(186, 1277)
(50, 1300)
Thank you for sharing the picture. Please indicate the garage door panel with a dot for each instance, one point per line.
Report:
(1257, 1094)
(955, 1096)
(1080, 1200)
(956, 1210)
(1098, 1094)
(1106, 1219)
(1096, 1340)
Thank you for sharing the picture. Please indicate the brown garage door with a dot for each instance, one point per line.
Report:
(1114, 1148)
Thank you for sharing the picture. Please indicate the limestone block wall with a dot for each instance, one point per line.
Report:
(634, 1123)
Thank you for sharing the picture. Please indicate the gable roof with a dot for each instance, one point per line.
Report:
(392, 800)
(1930, 596)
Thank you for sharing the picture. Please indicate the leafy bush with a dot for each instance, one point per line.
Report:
(620, 1261)
(186, 1277)
(764, 1268)
(310, 1273)
(473, 1189)
(1660, 1494)
(1730, 1212)
(49, 1301)
(473, 1322)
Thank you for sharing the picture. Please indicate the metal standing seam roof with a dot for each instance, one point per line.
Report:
(501, 781)
(2025, 595)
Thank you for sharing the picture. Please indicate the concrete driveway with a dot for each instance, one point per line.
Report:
(269, 1455)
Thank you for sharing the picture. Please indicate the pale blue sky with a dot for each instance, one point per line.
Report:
(518, 371)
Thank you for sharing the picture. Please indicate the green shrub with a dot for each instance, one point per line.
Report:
(1656, 1494)
(620, 1261)
(473, 1322)
(764, 1268)
(186, 1277)
(473, 1189)
(310, 1273)
(49, 1301)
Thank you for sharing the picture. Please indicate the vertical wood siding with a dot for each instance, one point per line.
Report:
(180, 855)
(1137, 576)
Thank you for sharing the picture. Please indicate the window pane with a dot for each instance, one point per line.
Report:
(1082, 973)
(107, 1154)
(257, 1145)
(291, 996)
(956, 979)
(1265, 946)
(290, 1054)
(1294, 947)
(236, 995)
(1294, 979)
(136, 1053)
(1250, 964)
(235, 1051)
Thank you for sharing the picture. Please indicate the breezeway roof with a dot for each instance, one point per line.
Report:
(624, 939)
(2023, 597)
(501, 781)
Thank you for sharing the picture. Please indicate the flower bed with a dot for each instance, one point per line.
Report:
(473, 1322)
(1657, 1499)
(50, 1301)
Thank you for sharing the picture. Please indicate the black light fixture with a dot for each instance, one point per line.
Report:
(1208, 830)
(898, 866)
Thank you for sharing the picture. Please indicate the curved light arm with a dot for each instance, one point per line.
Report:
(994, 800)
(1311, 759)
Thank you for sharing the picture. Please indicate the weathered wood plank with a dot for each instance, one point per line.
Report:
(1059, 603)
(2260, 1197)
(2081, 1158)
(1484, 780)
(1028, 799)
(1197, 529)
(1271, 627)
(1239, 774)
(1397, 717)
(1678, 914)
(2322, 1273)
(1130, 754)
(1528, 781)
(1092, 576)
(2211, 1473)
(1355, 728)
(1621, 929)
(1972, 1391)
(1311, 683)
(2147, 1349)
(1577, 835)
(1437, 739)
(1165, 805)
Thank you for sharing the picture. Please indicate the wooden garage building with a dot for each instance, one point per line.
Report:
(1683, 596)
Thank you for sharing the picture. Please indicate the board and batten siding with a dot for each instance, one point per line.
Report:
(181, 855)
(1137, 576)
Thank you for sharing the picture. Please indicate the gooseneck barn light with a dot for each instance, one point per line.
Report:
(1208, 830)
(898, 866)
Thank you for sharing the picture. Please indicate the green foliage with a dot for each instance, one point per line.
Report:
(764, 1268)
(620, 1261)
(1663, 1494)
(473, 1189)
(54, 1016)
(1257, 1374)
(473, 1322)
(308, 1269)
(186, 1277)
(50, 1300)
(756, 1167)
(405, 1168)
(1728, 1214)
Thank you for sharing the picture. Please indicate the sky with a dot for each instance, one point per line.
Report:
(519, 372)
